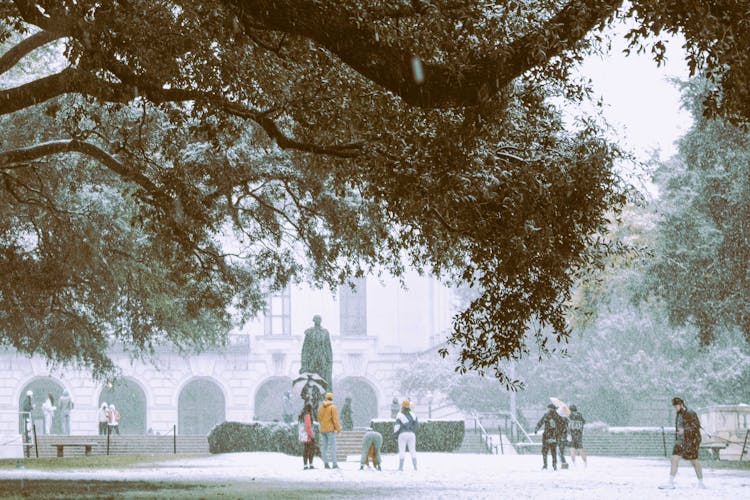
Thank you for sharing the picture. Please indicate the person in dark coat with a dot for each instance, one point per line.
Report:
(26, 408)
(550, 421)
(687, 439)
(575, 425)
(562, 438)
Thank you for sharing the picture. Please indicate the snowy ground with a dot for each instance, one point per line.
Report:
(440, 476)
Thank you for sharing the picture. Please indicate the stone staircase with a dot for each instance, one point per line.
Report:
(472, 443)
(124, 445)
(349, 443)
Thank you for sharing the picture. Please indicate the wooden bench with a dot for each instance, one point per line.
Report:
(714, 448)
(86, 447)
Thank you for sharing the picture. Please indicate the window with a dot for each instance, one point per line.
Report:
(278, 358)
(279, 313)
(353, 309)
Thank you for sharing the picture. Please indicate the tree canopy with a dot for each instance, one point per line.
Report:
(325, 140)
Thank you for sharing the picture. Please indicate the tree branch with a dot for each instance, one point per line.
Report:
(391, 65)
(24, 47)
(73, 80)
(15, 158)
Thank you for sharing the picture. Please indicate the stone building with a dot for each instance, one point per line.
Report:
(375, 329)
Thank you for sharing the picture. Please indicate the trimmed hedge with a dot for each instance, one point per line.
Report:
(230, 437)
(432, 435)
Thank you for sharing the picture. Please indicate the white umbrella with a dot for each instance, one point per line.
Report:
(562, 408)
(310, 380)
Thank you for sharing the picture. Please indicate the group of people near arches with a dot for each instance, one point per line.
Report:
(109, 419)
(404, 427)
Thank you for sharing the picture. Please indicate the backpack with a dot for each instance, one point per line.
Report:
(301, 432)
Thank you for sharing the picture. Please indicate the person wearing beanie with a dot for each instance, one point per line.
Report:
(551, 423)
(405, 428)
(575, 425)
(687, 439)
(328, 417)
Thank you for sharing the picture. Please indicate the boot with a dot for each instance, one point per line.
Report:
(414, 463)
(401, 464)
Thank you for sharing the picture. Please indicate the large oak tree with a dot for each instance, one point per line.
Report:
(327, 139)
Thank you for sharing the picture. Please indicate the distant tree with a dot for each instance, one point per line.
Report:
(330, 138)
(701, 267)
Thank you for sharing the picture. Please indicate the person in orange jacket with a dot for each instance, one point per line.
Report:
(328, 418)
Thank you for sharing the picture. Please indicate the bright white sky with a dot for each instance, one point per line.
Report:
(641, 103)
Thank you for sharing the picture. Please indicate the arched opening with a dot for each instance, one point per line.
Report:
(201, 406)
(364, 399)
(269, 400)
(130, 400)
(40, 387)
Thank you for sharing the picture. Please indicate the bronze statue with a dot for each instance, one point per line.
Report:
(317, 355)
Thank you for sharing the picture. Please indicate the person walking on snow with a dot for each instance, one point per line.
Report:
(562, 437)
(575, 425)
(328, 418)
(405, 428)
(687, 439)
(550, 422)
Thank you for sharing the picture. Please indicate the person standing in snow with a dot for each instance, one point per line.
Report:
(48, 409)
(102, 418)
(328, 418)
(405, 428)
(306, 436)
(113, 420)
(687, 439)
(575, 425)
(26, 408)
(550, 422)
(66, 405)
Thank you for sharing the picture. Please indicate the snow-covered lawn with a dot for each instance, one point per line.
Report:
(440, 475)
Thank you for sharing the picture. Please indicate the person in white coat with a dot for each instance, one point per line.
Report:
(48, 410)
(406, 427)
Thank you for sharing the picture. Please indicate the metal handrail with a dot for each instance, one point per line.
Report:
(483, 432)
(518, 424)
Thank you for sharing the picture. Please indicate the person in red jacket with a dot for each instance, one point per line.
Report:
(306, 436)
(328, 418)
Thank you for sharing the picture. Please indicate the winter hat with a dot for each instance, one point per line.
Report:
(329, 395)
(573, 408)
(677, 401)
(405, 403)
(551, 406)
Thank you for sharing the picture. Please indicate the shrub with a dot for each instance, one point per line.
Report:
(432, 435)
(230, 437)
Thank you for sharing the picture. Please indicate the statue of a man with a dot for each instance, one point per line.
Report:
(317, 355)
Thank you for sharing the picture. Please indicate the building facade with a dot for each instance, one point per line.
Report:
(375, 329)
